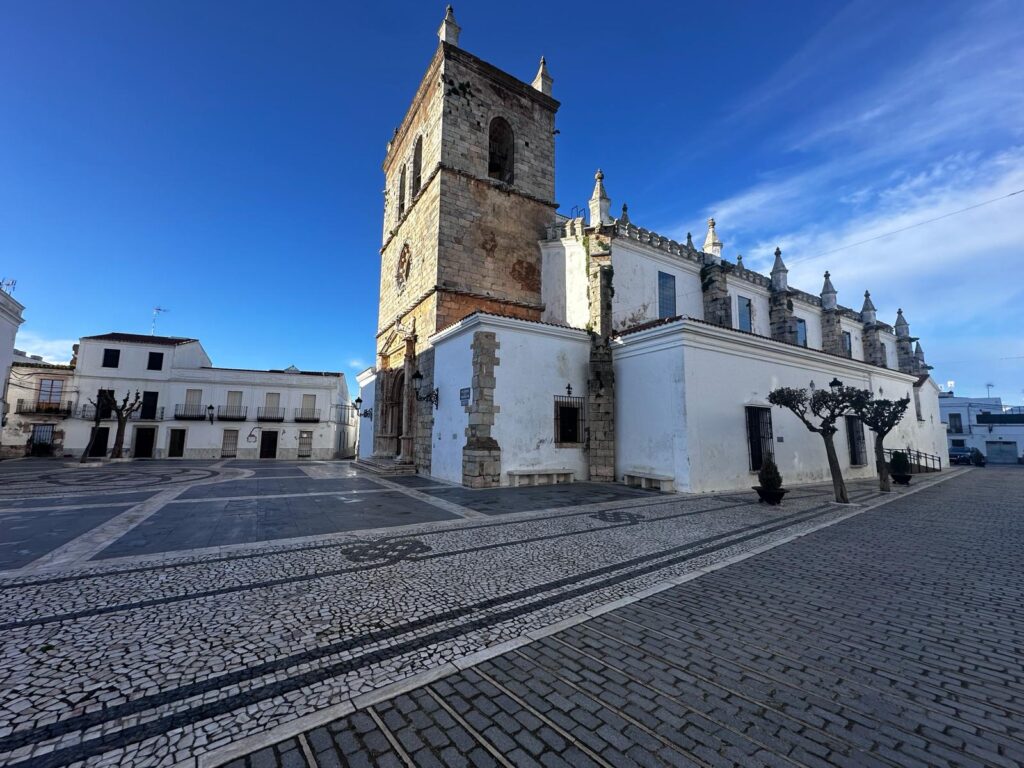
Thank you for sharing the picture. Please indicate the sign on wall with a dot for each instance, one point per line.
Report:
(464, 394)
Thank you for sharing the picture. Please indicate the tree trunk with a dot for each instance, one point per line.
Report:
(883, 469)
(92, 438)
(115, 452)
(838, 484)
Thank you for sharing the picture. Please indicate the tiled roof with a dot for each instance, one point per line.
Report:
(138, 338)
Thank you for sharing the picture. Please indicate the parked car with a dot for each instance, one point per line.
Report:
(959, 455)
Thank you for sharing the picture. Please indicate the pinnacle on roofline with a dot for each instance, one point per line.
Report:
(828, 294)
(449, 30)
(543, 80)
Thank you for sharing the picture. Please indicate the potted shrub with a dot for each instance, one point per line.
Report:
(899, 468)
(977, 458)
(770, 491)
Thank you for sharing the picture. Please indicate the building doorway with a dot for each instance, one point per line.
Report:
(99, 443)
(268, 444)
(176, 447)
(1001, 453)
(145, 439)
(392, 410)
(305, 444)
(42, 440)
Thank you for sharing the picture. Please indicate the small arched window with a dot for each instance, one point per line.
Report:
(501, 151)
(401, 193)
(417, 167)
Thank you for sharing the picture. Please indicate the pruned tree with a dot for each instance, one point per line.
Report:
(825, 407)
(104, 400)
(121, 412)
(881, 417)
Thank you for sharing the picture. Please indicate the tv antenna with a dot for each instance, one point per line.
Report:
(989, 388)
(156, 311)
(7, 285)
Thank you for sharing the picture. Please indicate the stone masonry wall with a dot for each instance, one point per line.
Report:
(874, 350)
(475, 93)
(481, 455)
(601, 412)
(781, 318)
(832, 332)
(717, 305)
(424, 419)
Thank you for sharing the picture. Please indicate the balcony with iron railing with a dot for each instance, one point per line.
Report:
(270, 414)
(148, 414)
(232, 412)
(40, 407)
(88, 412)
(307, 414)
(190, 412)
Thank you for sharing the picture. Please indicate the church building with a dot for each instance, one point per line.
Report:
(516, 345)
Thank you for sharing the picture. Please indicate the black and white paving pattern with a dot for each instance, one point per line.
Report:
(232, 611)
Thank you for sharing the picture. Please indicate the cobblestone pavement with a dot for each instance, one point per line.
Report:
(164, 658)
(890, 639)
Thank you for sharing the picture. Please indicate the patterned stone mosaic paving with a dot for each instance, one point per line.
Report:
(149, 660)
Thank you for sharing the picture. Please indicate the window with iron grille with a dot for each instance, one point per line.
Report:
(855, 439)
(759, 436)
(666, 295)
(229, 444)
(568, 420)
(305, 444)
(746, 314)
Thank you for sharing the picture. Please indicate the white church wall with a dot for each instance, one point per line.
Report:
(636, 284)
(812, 317)
(856, 336)
(926, 433)
(368, 392)
(453, 371)
(650, 423)
(536, 364)
(889, 342)
(564, 283)
(759, 305)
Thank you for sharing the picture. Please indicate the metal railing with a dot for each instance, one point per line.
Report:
(270, 414)
(40, 407)
(143, 414)
(919, 461)
(189, 412)
(307, 414)
(232, 412)
(89, 412)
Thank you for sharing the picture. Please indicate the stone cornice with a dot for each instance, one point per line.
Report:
(458, 292)
(503, 78)
(500, 321)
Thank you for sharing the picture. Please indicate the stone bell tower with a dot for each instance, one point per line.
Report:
(469, 188)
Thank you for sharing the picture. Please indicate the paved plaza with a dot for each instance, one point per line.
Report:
(307, 614)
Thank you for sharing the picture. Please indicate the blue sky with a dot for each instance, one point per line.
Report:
(223, 159)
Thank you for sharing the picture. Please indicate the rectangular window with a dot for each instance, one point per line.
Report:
(568, 420)
(956, 424)
(51, 391)
(194, 397)
(746, 316)
(801, 332)
(234, 398)
(229, 444)
(666, 295)
(855, 439)
(759, 436)
(305, 444)
(111, 358)
(959, 443)
(273, 400)
(308, 402)
(156, 361)
(104, 401)
(917, 404)
(847, 344)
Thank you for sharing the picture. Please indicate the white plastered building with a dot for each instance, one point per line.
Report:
(190, 408)
(986, 424)
(10, 320)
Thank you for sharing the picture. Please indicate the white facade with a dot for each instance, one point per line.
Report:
(193, 410)
(10, 319)
(984, 423)
(703, 378)
(537, 363)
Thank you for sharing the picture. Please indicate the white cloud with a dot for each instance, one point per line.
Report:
(52, 350)
(357, 363)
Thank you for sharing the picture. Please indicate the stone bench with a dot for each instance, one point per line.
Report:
(523, 477)
(649, 481)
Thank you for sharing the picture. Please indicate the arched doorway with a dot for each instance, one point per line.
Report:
(391, 414)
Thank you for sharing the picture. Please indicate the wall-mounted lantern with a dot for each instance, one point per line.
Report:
(433, 396)
(209, 413)
(357, 404)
